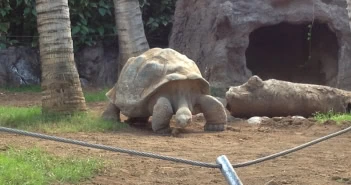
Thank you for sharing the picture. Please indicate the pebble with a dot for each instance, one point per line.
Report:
(277, 118)
(298, 117)
(256, 120)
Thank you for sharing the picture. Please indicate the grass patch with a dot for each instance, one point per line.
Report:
(35, 167)
(24, 88)
(331, 115)
(96, 96)
(30, 118)
(90, 96)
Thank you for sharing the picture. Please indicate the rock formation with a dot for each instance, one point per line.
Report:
(301, 41)
(97, 65)
(19, 66)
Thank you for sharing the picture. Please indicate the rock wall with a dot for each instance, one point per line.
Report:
(97, 65)
(217, 35)
(19, 66)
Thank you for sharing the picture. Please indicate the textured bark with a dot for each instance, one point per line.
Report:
(131, 38)
(130, 30)
(61, 88)
(281, 98)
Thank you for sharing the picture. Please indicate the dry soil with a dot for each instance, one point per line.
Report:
(327, 163)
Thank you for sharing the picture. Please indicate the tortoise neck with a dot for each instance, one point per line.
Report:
(182, 103)
(183, 115)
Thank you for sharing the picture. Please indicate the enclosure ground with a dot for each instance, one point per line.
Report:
(327, 163)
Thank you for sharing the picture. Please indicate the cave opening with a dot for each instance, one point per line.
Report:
(301, 53)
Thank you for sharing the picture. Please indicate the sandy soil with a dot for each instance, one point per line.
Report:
(327, 163)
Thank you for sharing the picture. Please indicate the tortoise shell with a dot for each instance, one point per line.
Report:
(143, 75)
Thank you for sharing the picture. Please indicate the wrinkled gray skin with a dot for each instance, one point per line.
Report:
(162, 83)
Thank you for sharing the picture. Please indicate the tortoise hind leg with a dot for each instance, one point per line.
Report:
(161, 115)
(214, 113)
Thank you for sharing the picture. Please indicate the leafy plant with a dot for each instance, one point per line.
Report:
(158, 18)
(5, 9)
(91, 21)
(17, 19)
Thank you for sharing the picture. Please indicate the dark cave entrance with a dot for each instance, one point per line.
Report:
(284, 52)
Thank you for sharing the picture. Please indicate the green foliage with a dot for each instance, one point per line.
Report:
(16, 18)
(36, 167)
(158, 18)
(30, 118)
(91, 21)
(331, 115)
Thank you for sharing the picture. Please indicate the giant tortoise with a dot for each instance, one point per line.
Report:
(161, 83)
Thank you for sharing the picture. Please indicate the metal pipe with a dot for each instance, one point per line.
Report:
(228, 171)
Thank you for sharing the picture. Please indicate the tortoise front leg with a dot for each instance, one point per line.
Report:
(111, 113)
(161, 115)
(214, 113)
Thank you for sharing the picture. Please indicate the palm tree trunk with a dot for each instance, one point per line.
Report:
(130, 30)
(131, 40)
(61, 88)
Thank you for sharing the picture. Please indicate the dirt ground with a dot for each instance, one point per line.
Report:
(327, 163)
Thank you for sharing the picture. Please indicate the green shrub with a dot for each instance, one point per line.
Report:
(91, 21)
(158, 18)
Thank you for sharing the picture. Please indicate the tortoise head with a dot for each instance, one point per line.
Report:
(183, 117)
